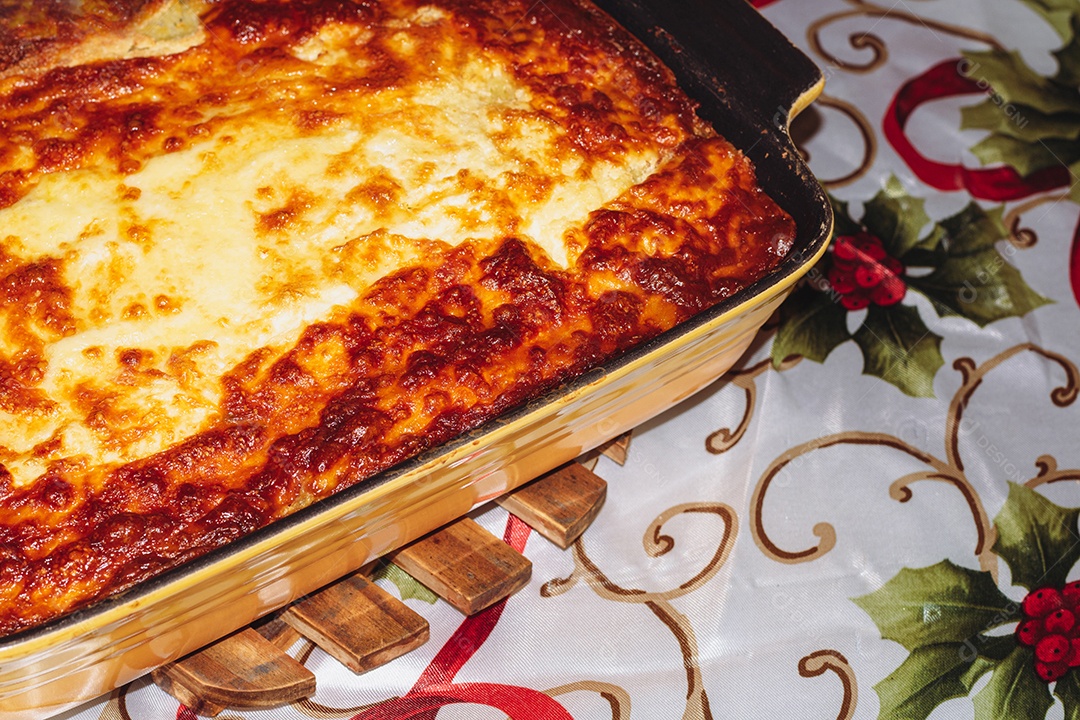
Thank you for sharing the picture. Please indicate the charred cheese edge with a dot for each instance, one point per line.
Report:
(253, 253)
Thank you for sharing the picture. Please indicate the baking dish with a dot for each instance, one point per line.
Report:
(750, 81)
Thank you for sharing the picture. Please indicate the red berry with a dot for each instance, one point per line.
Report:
(844, 263)
(889, 292)
(869, 247)
(1053, 649)
(1060, 621)
(842, 281)
(1029, 632)
(869, 275)
(855, 301)
(1049, 672)
(1042, 602)
(894, 266)
(844, 249)
(1070, 595)
(1074, 661)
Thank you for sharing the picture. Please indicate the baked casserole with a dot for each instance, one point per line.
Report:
(252, 253)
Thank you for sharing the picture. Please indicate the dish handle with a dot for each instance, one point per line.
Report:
(764, 75)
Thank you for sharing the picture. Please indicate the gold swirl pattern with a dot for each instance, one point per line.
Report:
(950, 470)
(724, 439)
(615, 696)
(869, 139)
(656, 544)
(1049, 473)
(868, 41)
(818, 663)
(1025, 237)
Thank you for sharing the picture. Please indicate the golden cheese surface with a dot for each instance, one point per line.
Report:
(254, 252)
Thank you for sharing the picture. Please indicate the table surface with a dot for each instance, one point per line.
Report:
(847, 525)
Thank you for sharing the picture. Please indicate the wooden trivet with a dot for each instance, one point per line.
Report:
(364, 627)
(465, 565)
(559, 505)
(358, 623)
(242, 671)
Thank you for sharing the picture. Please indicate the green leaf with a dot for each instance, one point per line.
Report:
(971, 278)
(1020, 122)
(1014, 690)
(1068, 58)
(1007, 75)
(811, 323)
(936, 605)
(930, 676)
(973, 229)
(1056, 12)
(895, 218)
(843, 224)
(898, 348)
(1074, 175)
(1036, 538)
(408, 586)
(982, 288)
(1026, 157)
(1068, 690)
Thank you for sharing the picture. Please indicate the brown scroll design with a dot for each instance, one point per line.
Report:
(868, 41)
(615, 696)
(1024, 237)
(724, 439)
(823, 661)
(949, 470)
(866, 130)
(1049, 473)
(656, 544)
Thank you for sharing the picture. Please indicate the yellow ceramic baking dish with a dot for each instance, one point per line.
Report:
(750, 82)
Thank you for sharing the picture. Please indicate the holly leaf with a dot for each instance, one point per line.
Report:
(812, 324)
(1074, 189)
(973, 229)
(1015, 82)
(931, 675)
(1020, 122)
(895, 218)
(1068, 691)
(408, 586)
(1037, 539)
(898, 348)
(1026, 157)
(1068, 58)
(1014, 690)
(1058, 13)
(1033, 120)
(936, 605)
(972, 279)
(843, 224)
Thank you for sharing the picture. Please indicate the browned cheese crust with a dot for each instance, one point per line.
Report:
(459, 330)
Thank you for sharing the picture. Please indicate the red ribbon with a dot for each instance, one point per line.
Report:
(517, 703)
(435, 688)
(1074, 264)
(999, 184)
(761, 3)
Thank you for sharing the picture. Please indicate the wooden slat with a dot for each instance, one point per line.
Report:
(559, 505)
(358, 623)
(280, 634)
(618, 449)
(465, 565)
(243, 671)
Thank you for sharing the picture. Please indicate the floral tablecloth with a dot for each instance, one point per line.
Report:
(875, 514)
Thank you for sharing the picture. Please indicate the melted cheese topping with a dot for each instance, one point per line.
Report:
(242, 240)
(303, 242)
